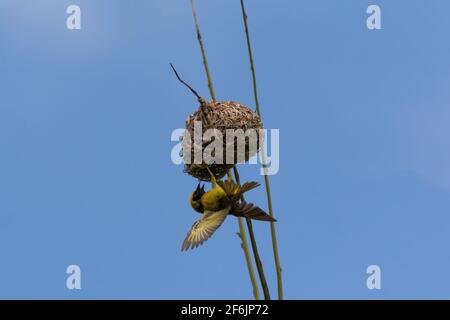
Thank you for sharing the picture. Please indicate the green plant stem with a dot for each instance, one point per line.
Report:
(202, 49)
(242, 233)
(259, 265)
(248, 259)
(263, 158)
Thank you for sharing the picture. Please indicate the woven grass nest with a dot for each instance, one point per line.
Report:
(221, 116)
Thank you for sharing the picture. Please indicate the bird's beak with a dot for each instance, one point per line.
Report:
(198, 188)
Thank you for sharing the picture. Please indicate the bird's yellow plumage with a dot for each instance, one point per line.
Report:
(215, 199)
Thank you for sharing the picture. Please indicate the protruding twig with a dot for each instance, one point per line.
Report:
(203, 103)
(185, 83)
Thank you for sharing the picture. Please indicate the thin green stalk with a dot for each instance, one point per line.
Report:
(259, 265)
(263, 158)
(242, 233)
(202, 49)
(248, 259)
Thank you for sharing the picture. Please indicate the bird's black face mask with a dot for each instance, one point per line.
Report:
(199, 192)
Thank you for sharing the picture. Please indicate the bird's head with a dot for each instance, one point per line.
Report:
(195, 198)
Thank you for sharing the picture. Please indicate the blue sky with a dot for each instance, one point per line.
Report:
(85, 124)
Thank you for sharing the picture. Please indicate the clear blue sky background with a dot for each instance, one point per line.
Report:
(85, 170)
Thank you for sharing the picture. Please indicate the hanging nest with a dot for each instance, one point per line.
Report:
(221, 116)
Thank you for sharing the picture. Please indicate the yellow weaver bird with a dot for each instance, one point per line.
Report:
(215, 205)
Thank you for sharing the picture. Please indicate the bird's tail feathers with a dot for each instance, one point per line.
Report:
(250, 211)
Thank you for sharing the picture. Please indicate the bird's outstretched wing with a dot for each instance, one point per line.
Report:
(249, 210)
(204, 228)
